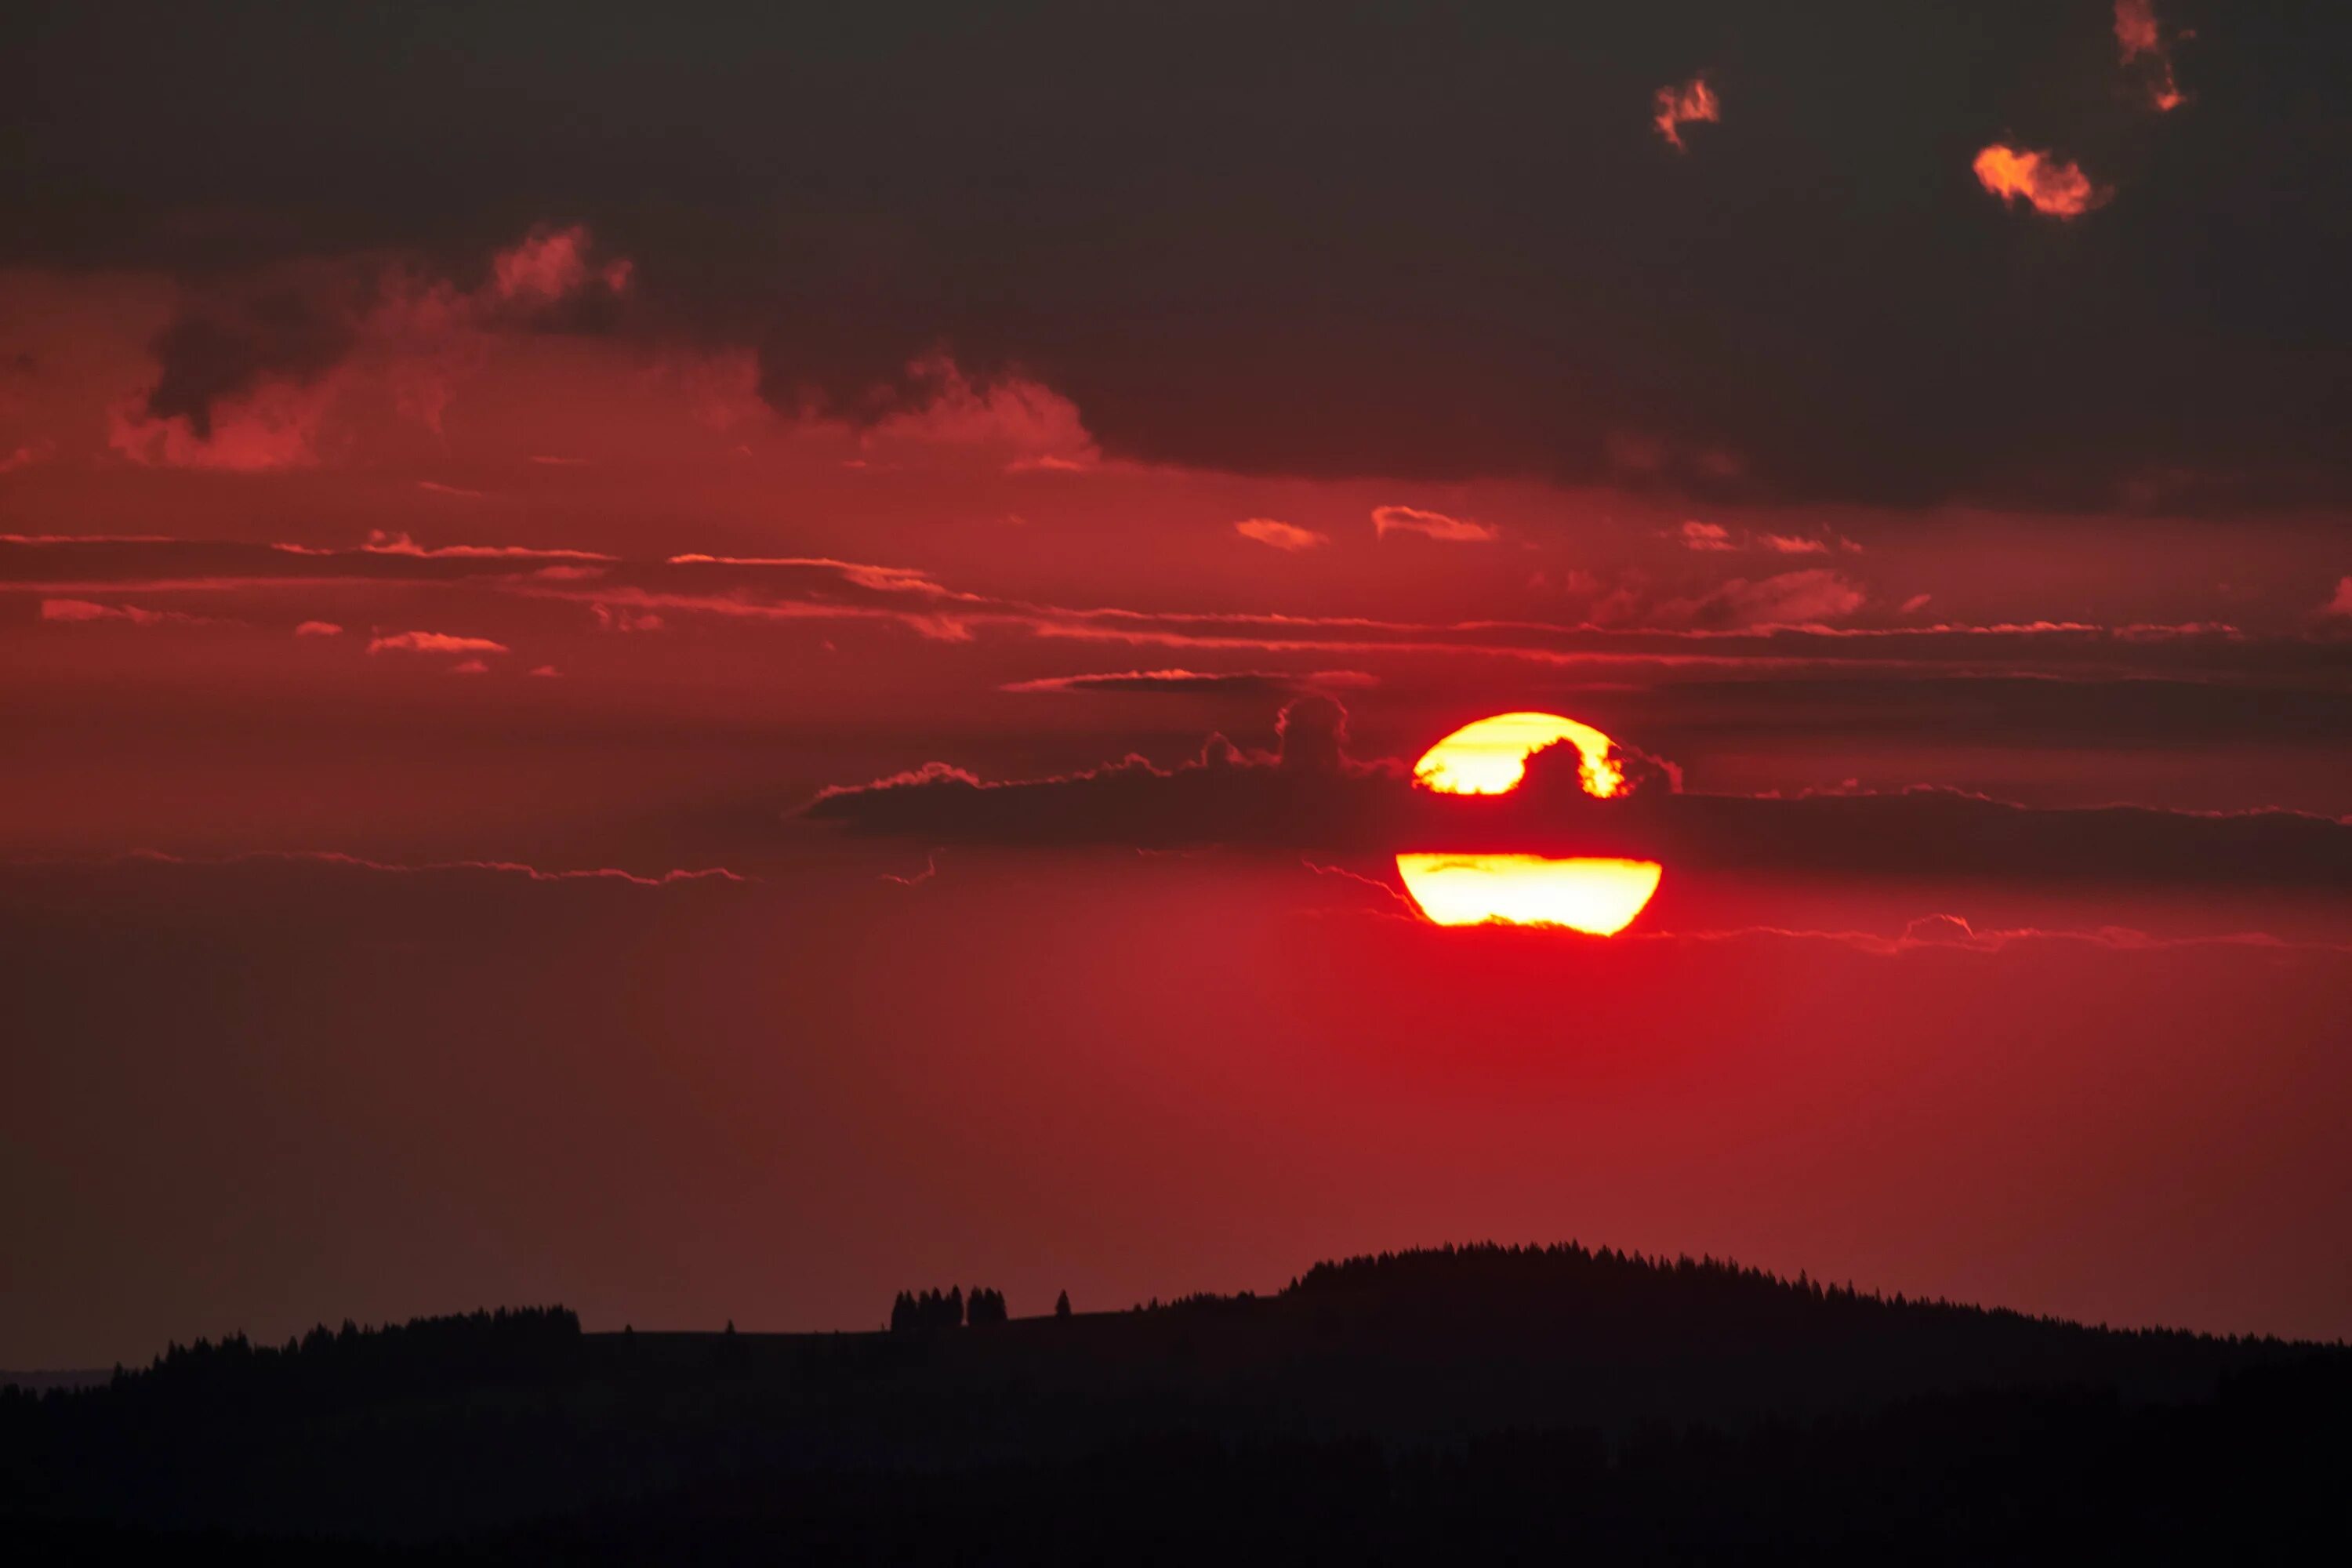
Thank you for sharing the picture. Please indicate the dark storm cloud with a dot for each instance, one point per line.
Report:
(1309, 796)
(1213, 228)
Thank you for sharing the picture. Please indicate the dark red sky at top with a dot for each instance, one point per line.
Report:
(455, 474)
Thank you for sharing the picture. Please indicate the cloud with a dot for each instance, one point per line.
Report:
(609, 619)
(1309, 346)
(1916, 603)
(1789, 599)
(935, 404)
(1281, 535)
(2341, 605)
(1244, 682)
(1387, 519)
(2049, 184)
(1312, 795)
(1782, 622)
(26, 456)
(1676, 107)
(335, 861)
(1714, 538)
(434, 642)
(83, 611)
(550, 266)
(250, 368)
(2140, 41)
(317, 629)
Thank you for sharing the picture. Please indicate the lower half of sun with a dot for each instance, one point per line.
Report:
(1596, 895)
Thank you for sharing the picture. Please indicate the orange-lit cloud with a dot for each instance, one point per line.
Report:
(1679, 106)
(317, 629)
(1387, 519)
(1704, 536)
(2049, 184)
(1281, 535)
(434, 642)
(2141, 42)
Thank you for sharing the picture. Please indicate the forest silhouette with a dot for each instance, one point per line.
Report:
(1477, 1401)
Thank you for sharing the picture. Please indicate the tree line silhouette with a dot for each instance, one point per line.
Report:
(915, 1311)
(1458, 1403)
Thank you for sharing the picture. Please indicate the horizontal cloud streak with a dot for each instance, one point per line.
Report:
(1323, 801)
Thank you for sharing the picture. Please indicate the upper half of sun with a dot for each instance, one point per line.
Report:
(1490, 757)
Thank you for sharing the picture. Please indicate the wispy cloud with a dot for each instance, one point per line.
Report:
(1387, 519)
(2139, 38)
(1675, 107)
(1281, 535)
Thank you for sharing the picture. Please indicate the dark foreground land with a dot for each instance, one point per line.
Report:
(1480, 1404)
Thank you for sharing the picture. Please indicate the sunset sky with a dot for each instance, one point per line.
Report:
(526, 540)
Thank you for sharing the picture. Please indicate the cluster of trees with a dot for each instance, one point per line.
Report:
(929, 1309)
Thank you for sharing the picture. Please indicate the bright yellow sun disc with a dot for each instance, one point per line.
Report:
(1490, 757)
(1595, 896)
(1598, 896)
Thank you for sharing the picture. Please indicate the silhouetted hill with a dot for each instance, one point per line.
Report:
(1398, 1408)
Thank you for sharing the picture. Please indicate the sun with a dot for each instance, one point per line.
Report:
(1594, 895)
(1490, 757)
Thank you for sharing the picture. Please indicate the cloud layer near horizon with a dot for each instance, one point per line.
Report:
(1310, 795)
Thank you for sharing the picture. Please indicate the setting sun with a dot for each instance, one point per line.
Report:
(1600, 897)
(1490, 756)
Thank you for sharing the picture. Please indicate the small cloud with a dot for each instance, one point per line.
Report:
(1811, 597)
(1047, 463)
(609, 619)
(317, 629)
(546, 671)
(1676, 107)
(551, 265)
(1387, 519)
(434, 642)
(2140, 41)
(1791, 544)
(1940, 929)
(2050, 185)
(1704, 536)
(1281, 535)
(433, 487)
(1916, 603)
(472, 666)
(547, 462)
(24, 457)
(2342, 604)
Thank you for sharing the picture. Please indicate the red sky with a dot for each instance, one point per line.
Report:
(393, 600)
